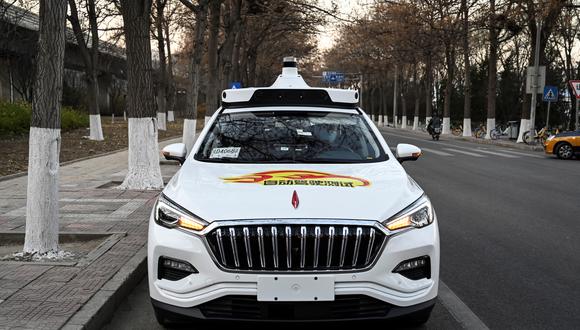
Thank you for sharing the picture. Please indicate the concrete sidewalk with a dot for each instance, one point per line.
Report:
(504, 142)
(52, 295)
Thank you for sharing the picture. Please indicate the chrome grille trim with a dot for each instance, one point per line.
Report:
(261, 246)
(309, 246)
(234, 246)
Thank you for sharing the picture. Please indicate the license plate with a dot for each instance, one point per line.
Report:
(296, 288)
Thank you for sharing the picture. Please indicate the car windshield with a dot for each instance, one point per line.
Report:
(290, 137)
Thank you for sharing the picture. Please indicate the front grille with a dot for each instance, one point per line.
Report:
(295, 247)
(248, 308)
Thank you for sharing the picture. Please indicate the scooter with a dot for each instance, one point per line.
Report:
(435, 132)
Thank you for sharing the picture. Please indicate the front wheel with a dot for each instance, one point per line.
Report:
(494, 134)
(527, 137)
(564, 151)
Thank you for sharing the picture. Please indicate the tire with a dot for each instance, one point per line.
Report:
(494, 134)
(564, 151)
(527, 137)
(437, 137)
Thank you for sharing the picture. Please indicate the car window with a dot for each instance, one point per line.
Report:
(290, 136)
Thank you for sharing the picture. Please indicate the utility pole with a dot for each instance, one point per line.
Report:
(535, 78)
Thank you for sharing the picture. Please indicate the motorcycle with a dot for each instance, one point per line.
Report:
(435, 132)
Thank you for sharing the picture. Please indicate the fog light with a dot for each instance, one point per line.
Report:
(415, 268)
(174, 269)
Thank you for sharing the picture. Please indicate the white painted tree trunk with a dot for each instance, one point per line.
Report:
(189, 131)
(381, 120)
(490, 125)
(125, 115)
(96, 130)
(170, 116)
(415, 123)
(144, 172)
(467, 127)
(446, 125)
(113, 118)
(404, 122)
(207, 118)
(42, 191)
(524, 126)
(395, 121)
(161, 121)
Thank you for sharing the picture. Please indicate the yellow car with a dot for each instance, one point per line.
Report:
(563, 145)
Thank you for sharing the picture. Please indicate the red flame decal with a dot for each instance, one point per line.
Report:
(295, 200)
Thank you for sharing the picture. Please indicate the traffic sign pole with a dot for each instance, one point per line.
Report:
(548, 115)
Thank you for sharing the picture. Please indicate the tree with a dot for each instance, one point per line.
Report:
(189, 123)
(144, 171)
(44, 142)
(163, 76)
(467, 70)
(91, 61)
(212, 92)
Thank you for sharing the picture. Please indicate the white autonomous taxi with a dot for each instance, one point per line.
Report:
(291, 207)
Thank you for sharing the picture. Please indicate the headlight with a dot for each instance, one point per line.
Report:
(170, 215)
(417, 215)
(550, 138)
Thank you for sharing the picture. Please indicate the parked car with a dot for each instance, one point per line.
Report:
(564, 145)
(291, 206)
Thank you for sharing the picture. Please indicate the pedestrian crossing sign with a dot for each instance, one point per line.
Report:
(550, 94)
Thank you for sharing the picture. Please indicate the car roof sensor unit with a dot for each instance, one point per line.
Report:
(289, 89)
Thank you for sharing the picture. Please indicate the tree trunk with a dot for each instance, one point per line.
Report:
(162, 83)
(171, 90)
(467, 68)
(91, 62)
(143, 171)
(212, 57)
(416, 96)
(190, 121)
(44, 142)
(428, 90)
(450, 63)
(492, 70)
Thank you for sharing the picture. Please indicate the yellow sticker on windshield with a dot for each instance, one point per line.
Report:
(299, 178)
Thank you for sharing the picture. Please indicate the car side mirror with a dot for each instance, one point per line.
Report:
(406, 152)
(175, 151)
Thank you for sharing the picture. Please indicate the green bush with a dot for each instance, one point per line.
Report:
(15, 118)
(71, 119)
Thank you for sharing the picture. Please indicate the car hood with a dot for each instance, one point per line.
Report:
(226, 191)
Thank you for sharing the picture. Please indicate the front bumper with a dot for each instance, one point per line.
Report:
(211, 283)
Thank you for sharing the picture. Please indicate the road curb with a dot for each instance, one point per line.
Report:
(99, 310)
(519, 146)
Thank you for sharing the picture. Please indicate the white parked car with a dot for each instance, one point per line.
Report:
(291, 206)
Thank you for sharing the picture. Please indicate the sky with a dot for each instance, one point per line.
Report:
(347, 10)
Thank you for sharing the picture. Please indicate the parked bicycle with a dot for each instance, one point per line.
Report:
(537, 137)
(457, 130)
(498, 131)
(480, 132)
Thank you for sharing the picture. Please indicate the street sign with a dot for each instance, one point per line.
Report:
(235, 85)
(575, 84)
(550, 94)
(530, 80)
(332, 77)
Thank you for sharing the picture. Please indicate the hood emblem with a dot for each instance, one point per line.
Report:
(295, 200)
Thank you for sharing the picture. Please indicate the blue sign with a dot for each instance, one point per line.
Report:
(235, 85)
(550, 94)
(332, 77)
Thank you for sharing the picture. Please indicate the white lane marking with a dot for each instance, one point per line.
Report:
(524, 154)
(458, 309)
(497, 153)
(465, 152)
(437, 152)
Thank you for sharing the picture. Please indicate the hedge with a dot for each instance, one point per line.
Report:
(15, 118)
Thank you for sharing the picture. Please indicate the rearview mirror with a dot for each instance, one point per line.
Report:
(175, 151)
(406, 152)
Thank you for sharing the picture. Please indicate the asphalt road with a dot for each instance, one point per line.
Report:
(510, 235)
